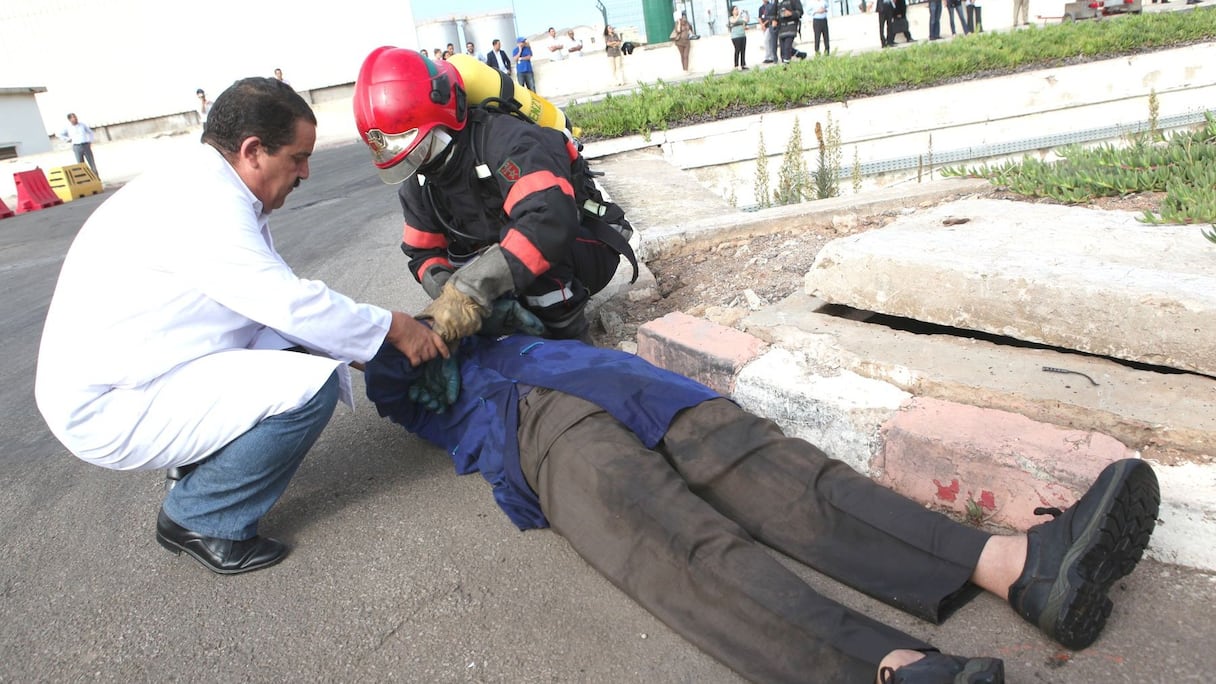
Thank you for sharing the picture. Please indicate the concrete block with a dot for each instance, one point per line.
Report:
(1094, 281)
(1186, 526)
(839, 412)
(693, 347)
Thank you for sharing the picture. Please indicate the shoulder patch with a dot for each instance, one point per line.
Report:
(509, 170)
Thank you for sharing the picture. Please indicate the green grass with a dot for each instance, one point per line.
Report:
(1182, 165)
(660, 105)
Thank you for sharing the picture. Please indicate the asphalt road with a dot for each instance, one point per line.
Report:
(402, 571)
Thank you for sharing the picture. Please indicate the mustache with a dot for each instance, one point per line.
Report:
(297, 183)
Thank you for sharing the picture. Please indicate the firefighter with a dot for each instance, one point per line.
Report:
(495, 205)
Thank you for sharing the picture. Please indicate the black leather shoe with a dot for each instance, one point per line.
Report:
(938, 668)
(1072, 560)
(223, 556)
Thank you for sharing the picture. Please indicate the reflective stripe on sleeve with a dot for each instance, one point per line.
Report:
(432, 263)
(550, 298)
(422, 239)
(534, 182)
(522, 248)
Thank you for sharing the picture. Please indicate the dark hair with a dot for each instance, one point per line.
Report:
(266, 108)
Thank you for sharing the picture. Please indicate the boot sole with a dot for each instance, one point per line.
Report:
(1107, 551)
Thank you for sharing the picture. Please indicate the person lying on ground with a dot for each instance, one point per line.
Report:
(672, 492)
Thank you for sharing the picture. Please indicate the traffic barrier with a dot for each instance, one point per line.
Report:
(33, 191)
(5, 212)
(71, 182)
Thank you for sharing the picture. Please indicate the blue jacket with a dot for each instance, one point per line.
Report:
(479, 430)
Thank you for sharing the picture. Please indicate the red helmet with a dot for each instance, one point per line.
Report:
(400, 97)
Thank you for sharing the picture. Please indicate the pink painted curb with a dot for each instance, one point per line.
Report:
(947, 455)
(694, 347)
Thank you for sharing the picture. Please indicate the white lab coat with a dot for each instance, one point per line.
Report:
(155, 350)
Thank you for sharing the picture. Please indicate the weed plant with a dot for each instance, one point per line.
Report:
(1181, 164)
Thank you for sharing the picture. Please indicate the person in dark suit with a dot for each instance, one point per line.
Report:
(900, 20)
(886, 12)
(497, 57)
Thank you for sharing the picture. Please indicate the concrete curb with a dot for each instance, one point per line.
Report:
(979, 464)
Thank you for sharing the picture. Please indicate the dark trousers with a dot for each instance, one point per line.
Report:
(885, 14)
(682, 529)
(935, 19)
(786, 45)
(526, 79)
(740, 51)
(559, 295)
(84, 153)
(820, 26)
(975, 18)
(952, 10)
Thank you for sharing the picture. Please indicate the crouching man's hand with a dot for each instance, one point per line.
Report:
(413, 339)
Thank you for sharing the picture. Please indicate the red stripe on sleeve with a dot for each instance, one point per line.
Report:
(516, 243)
(534, 182)
(431, 263)
(422, 239)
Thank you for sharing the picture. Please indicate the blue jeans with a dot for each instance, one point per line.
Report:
(526, 79)
(935, 19)
(962, 20)
(230, 490)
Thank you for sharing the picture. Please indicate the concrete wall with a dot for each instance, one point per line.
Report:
(21, 123)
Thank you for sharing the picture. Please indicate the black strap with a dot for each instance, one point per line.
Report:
(600, 230)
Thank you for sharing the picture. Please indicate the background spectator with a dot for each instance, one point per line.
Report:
(738, 36)
(682, 38)
(612, 48)
(523, 64)
(497, 57)
(204, 106)
(81, 136)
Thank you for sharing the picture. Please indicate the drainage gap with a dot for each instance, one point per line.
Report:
(911, 325)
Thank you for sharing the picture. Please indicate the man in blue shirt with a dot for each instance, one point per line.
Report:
(522, 54)
(673, 492)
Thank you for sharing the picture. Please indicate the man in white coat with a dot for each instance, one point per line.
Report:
(172, 335)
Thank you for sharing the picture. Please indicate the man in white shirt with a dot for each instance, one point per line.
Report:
(81, 137)
(574, 46)
(171, 338)
(557, 46)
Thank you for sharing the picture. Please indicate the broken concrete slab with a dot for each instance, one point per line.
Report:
(1170, 416)
(1094, 281)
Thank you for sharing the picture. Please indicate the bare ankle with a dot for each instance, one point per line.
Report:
(897, 659)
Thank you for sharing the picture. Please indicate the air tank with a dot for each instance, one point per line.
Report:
(483, 29)
(437, 33)
(482, 82)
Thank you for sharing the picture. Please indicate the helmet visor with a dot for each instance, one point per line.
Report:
(398, 155)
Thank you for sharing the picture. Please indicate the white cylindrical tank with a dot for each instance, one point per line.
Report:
(437, 33)
(483, 29)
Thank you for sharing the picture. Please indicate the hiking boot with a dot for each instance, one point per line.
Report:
(1072, 560)
(939, 668)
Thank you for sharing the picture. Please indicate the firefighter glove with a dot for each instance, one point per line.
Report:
(454, 315)
(509, 316)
